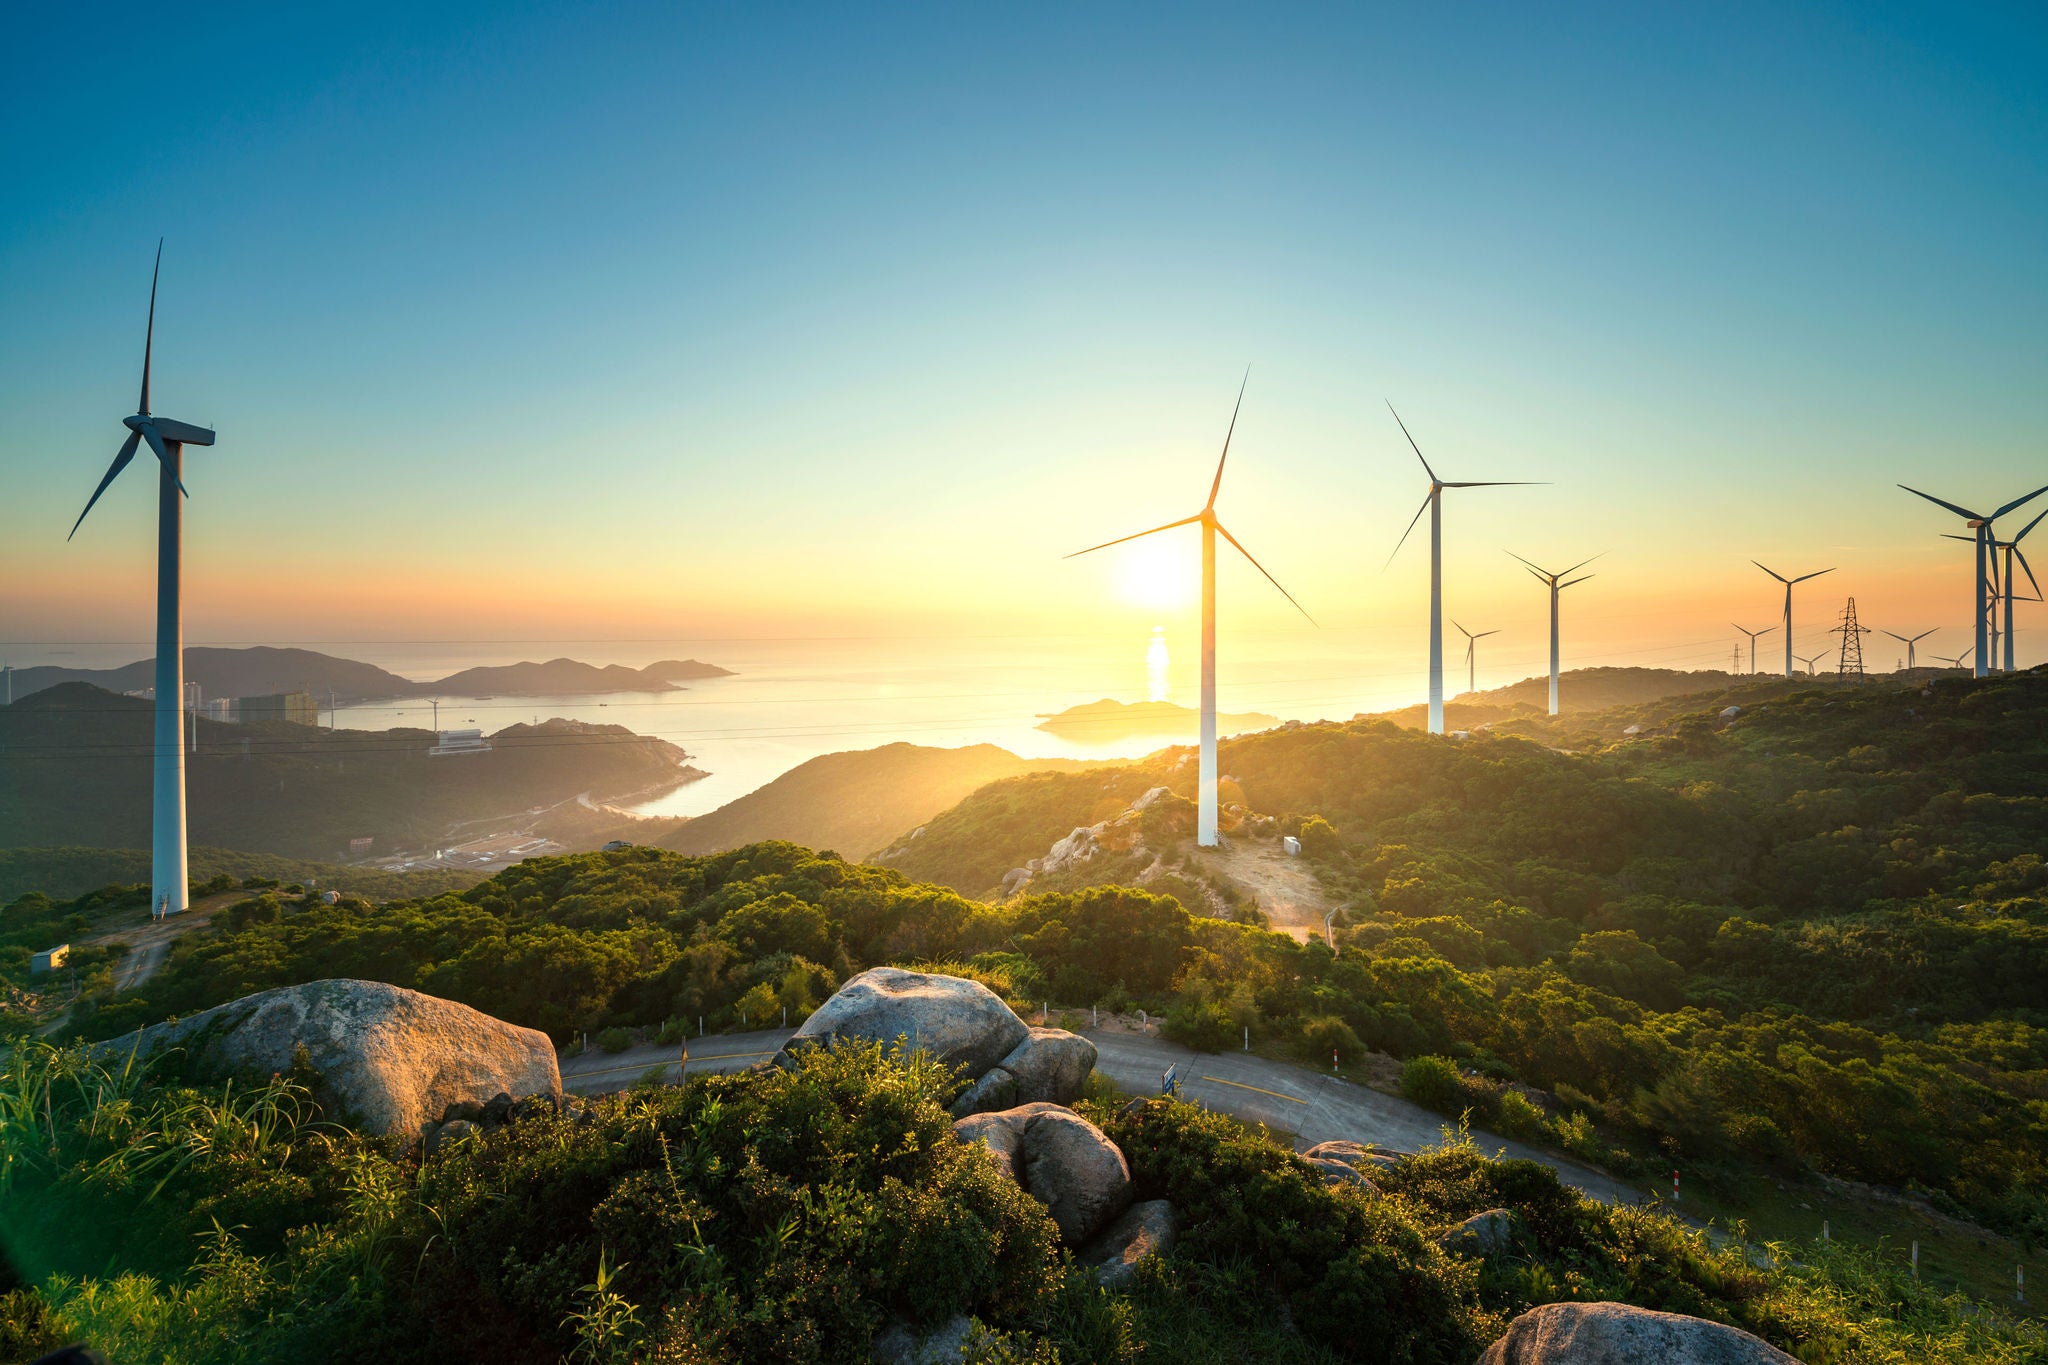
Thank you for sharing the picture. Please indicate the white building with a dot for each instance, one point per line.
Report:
(460, 742)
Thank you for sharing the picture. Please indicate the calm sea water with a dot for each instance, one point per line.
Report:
(792, 700)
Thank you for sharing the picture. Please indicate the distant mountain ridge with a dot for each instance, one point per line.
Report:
(1108, 720)
(75, 765)
(262, 669)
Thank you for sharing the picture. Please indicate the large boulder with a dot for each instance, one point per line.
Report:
(1622, 1334)
(1483, 1234)
(1145, 1230)
(962, 1023)
(1050, 1066)
(395, 1059)
(1060, 1159)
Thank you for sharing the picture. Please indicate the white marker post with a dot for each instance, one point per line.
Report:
(1916, 1260)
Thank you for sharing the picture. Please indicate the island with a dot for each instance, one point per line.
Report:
(1108, 721)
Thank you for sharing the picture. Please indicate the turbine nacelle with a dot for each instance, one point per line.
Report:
(169, 429)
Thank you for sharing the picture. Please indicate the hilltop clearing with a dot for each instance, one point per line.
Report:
(851, 802)
(1105, 721)
(261, 670)
(75, 762)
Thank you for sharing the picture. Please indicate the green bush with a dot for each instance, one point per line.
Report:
(1323, 1035)
(614, 1040)
(1434, 1083)
(1205, 1026)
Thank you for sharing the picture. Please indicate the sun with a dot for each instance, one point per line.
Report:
(1159, 572)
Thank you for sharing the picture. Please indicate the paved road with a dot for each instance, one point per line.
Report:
(1304, 1104)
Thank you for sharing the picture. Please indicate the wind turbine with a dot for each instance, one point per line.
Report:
(1205, 818)
(1957, 661)
(1432, 503)
(1811, 659)
(1753, 634)
(1980, 526)
(2012, 553)
(1788, 582)
(167, 439)
(1471, 653)
(1909, 641)
(1550, 580)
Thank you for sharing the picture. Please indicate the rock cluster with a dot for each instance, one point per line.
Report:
(1622, 1334)
(393, 1060)
(963, 1024)
(465, 1117)
(1060, 1159)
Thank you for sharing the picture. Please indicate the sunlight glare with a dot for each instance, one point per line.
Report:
(1160, 572)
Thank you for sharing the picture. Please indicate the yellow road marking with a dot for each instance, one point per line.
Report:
(1242, 1086)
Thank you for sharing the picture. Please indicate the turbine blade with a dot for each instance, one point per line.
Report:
(2018, 501)
(1484, 633)
(1411, 527)
(156, 443)
(1580, 565)
(121, 459)
(1412, 446)
(1962, 512)
(1217, 486)
(1503, 483)
(1775, 574)
(2029, 526)
(1582, 578)
(1546, 577)
(149, 336)
(1803, 577)
(1262, 569)
(1184, 521)
(1462, 631)
(2020, 555)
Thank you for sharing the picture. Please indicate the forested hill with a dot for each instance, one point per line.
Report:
(75, 765)
(851, 802)
(256, 671)
(1817, 930)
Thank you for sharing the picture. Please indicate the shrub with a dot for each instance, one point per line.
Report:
(1204, 1025)
(1434, 1083)
(614, 1040)
(1325, 1034)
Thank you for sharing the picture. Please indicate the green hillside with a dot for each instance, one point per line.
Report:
(851, 802)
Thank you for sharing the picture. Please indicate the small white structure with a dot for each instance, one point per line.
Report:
(460, 742)
(1290, 845)
(50, 959)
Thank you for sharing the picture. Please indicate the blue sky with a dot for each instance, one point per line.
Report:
(683, 318)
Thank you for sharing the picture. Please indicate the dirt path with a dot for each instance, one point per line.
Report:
(1294, 901)
(149, 941)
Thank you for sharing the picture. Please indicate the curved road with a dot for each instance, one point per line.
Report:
(1306, 1105)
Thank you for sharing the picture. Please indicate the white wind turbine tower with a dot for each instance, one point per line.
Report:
(1471, 655)
(1980, 528)
(1788, 582)
(167, 439)
(1205, 820)
(1752, 634)
(1432, 503)
(1552, 581)
(1909, 641)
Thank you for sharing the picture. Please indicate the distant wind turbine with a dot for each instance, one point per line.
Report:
(1980, 528)
(1551, 581)
(1471, 655)
(1205, 818)
(1432, 503)
(1812, 659)
(167, 439)
(1957, 661)
(1788, 582)
(2014, 553)
(1753, 634)
(1909, 641)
